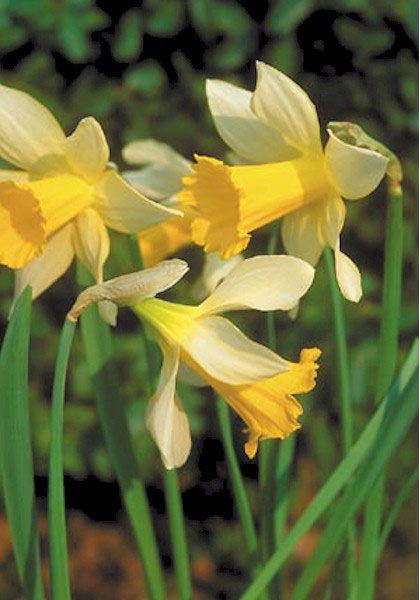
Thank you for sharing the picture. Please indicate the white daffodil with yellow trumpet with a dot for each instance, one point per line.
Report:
(276, 128)
(257, 383)
(62, 195)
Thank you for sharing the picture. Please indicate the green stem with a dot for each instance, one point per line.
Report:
(98, 346)
(170, 477)
(59, 571)
(387, 360)
(345, 399)
(269, 451)
(178, 537)
(239, 491)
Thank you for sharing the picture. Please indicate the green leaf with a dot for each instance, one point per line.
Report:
(99, 353)
(392, 431)
(285, 15)
(60, 583)
(166, 19)
(16, 450)
(146, 79)
(129, 37)
(370, 439)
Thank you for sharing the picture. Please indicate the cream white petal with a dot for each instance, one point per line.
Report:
(215, 270)
(144, 152)
(189, 376)
(226, 354)
(356, 171)
(166, 418)
(126, 210)
(301, 234)
(15, 176)
(348, 276)
(128, 290)
(156, 181)
(91, 242)
(262, 283)
(108, 311)
(332, 213)
(238, 126)
(283, 105)
(86, 149)
(28, 131)
(43, 271)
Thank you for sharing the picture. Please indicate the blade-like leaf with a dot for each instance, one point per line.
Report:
(60, 583)
(16, 449)
(391, 433)
(339, 478)
(98, 347)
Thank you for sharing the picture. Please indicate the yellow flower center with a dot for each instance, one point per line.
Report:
(233, 201)
(173, 321)
(31, 212)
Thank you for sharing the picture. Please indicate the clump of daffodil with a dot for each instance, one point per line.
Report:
(195, 341)
(62, 195)
(277, 129)
(161, 180)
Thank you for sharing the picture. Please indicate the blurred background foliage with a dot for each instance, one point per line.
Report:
(139, 68)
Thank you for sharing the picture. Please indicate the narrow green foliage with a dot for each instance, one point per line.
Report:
(345, 398)
(371, 437)
(16, 449)
(393, 513)
(60, 582)
(393, 429)
(179, 540)
(238, 487)
(387, 360)
(170, 477)
(98, 346)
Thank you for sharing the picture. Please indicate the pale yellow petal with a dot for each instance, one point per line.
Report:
(43, 271)
(356, 171)
(301, 234)
(239, 127)
(28, 131)
(166, 418)
(348, 276)
(262, 283)
(126, 210)
(86, 150)
(282, 104)
(215, 270)
(91, 242)
(226, 354)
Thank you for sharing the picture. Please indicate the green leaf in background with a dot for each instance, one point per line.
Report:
(165, 18)
(16, 449)
(128, 40)
(146, 79)
(284, 15)
(99, 354)
(372, 438)
(59, 569)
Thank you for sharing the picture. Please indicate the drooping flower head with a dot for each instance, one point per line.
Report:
(277, 129)
(62, 196)
(257, 383)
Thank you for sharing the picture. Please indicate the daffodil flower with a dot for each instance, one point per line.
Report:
(197, 343)
(160, 179)
(277, 129)
(62, 196)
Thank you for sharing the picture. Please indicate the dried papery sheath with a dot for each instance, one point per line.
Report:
(130, 289)
(353, 134)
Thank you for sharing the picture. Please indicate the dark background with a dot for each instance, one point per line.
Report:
(139, 68)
